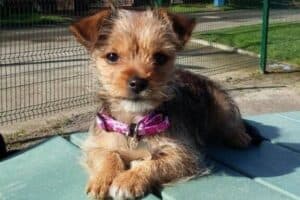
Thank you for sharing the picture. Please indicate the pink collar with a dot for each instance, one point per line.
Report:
(150, 124)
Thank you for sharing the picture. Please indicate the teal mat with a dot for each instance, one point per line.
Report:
(51, 170)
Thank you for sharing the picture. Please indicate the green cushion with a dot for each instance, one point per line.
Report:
(78, 138)
(272, 165)
(50, 170)
(222, 184)
(280, 128)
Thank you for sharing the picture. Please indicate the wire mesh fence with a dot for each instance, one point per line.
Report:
(284, 36)
(43, 70)
(211, 50)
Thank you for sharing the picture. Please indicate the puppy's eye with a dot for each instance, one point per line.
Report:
(112, 57)
(160, 58)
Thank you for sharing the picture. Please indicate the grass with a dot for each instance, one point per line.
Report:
(283, 45)
(195, 7)
(32, 18)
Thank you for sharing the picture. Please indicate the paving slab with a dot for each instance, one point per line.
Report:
(50, 170)
(279, 128)
(223, 183)
(269, 164)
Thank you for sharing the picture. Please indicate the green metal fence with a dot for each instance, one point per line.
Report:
(264, 36)
(43, 70)
(280, 45)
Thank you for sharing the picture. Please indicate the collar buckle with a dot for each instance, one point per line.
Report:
(133, 134)
(133, 130)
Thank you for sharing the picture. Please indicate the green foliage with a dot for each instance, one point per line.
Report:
(10, 7)
(31, 18)
(195, 7)
(245, 3)
(283, 45)
(258, 3)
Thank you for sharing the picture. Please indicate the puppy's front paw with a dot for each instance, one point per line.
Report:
(129, 185)
(240, 140)
(98, 187)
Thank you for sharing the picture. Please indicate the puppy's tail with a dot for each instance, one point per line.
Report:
(254, 133)
(3, 151)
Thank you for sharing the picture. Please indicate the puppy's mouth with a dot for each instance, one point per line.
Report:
(137, 98)
(137, 104)
(148, 96)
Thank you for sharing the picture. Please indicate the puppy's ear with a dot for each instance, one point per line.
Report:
(87, 30)
(183, 26)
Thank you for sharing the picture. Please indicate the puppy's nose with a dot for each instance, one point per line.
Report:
(137, 84)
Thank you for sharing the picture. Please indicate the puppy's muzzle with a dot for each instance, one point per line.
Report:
(137, 85)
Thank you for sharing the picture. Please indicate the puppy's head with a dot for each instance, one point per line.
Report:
(134, 52)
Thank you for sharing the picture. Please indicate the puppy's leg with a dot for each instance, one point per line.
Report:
(225, 123)
(231, 127)
(236, 137)
(229, 124)
(169, 164)
(103, 167)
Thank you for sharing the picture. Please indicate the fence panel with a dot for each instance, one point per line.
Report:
(284, 36)
(43, 69)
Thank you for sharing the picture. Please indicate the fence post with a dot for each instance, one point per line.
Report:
(264, 36)
(219, 3)
(158, 3)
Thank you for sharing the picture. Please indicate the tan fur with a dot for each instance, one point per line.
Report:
(128, 173)
(115, 169)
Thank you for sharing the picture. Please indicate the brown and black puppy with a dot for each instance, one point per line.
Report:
(140, 46)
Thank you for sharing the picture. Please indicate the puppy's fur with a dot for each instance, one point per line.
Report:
(199, 110)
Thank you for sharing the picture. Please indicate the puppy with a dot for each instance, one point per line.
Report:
(155, 117)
